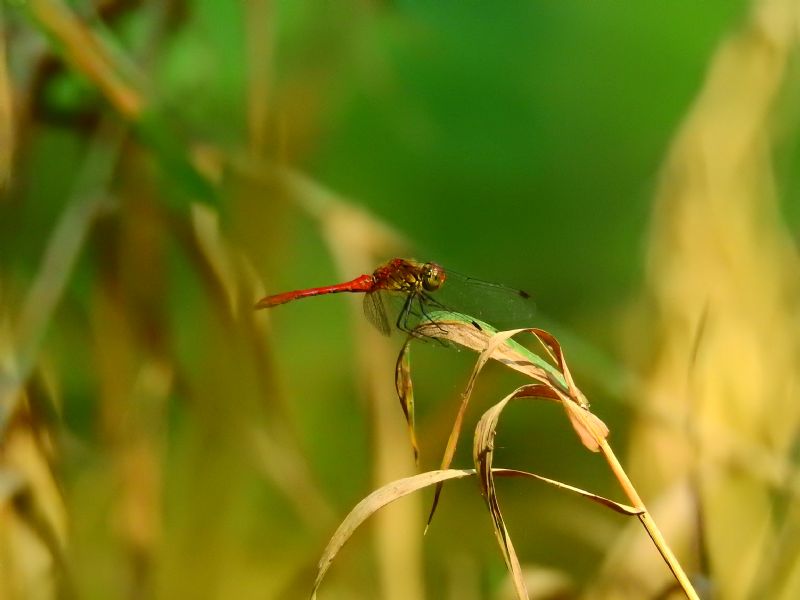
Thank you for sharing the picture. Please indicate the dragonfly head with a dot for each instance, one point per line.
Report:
(433, 276)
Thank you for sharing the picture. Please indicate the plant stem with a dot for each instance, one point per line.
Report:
(649, 524)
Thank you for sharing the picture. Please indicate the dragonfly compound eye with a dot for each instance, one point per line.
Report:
(433, 277)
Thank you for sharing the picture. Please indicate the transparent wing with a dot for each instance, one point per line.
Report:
(376, 312)
(501, 306)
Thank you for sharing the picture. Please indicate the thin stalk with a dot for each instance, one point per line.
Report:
(649, 523)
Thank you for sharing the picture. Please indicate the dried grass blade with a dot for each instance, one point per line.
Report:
(491, 346)
(88, 54)
(590, 428)
(403, 487)
(405, 392)
(87, 201)
(623, 509)
(483, 452)
(7, 141)
(372, 503)
(553, 348)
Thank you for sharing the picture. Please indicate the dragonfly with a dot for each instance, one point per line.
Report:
(421, 288)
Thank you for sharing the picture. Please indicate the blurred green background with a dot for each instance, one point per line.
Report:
(167, 163)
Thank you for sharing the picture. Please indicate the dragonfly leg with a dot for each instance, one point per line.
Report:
(408, 312)
(424, 312)
(402, 318)
(437, 304)
(433, 301)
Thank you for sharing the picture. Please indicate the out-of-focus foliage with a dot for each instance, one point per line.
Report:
(163, 164)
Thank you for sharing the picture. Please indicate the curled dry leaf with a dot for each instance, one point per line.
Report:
(483, 453)
(462, 330)
(481, 337)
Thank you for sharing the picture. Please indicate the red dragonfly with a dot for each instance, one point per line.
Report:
(422, 289)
